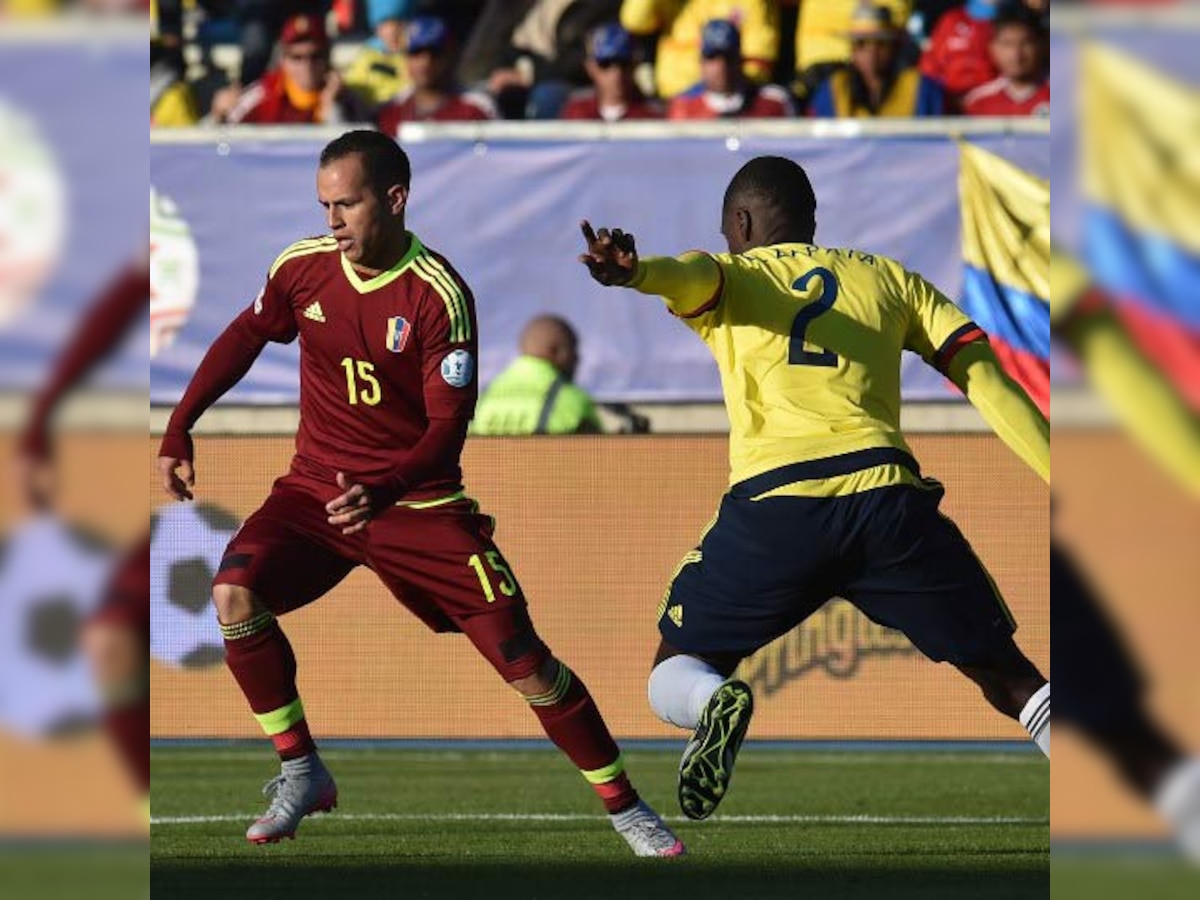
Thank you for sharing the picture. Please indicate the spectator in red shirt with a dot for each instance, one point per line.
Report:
(958, 54)
(614, 96)
(724, 92)
(433, 95)
(1021, 51)
(303, 89)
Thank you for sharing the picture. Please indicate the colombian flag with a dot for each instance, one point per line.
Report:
(1141, 190)
(1006, 257)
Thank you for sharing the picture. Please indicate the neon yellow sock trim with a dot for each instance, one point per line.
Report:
(251, 626)
(606, 774)
(562, 683)
(280, 720)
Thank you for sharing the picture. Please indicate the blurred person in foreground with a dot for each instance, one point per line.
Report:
(826, 498)
(537, 393)
(379, 71)
(678, 26)
(875, 83)
(724, 92)
(613, 97)
(303, 88)
(1020, 49)
(1101, 690)
(117, 639)
(387, 388)
(432, 95)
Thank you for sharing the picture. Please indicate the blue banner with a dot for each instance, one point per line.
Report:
(506, 213)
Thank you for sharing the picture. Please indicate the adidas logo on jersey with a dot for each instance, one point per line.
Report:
(675, 614)
(313, 311)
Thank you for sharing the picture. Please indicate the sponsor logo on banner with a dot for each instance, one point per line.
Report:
(174, 272)
(33, 221)
(398, 330)
(836, 640)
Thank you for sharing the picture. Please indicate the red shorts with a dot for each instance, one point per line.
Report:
(439, 561)
(127, 601)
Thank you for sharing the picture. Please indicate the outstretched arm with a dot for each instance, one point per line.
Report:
(1004, 406)
(691, 284)
(226, 362)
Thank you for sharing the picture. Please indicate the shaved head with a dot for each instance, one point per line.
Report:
(770, 200)
(553, 339)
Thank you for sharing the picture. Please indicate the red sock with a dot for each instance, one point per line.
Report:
(129, 727)
(261, 659)
(570, 718)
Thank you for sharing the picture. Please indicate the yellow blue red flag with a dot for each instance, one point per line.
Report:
(1141, 191)
(1006, 264)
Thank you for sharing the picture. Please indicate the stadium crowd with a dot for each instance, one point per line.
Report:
(393, 61)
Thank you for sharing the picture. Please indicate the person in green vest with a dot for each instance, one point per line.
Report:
(536, 394)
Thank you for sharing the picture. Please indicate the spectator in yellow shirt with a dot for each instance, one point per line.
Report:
(379, 72)
(679, 23)
(172, 104)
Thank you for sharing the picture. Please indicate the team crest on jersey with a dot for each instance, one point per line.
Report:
(457, 368)
(398, 329)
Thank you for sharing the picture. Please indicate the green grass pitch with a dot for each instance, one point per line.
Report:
(522, 824)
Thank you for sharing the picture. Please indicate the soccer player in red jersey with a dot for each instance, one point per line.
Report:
(1020, 49)
(387, 387)
(117, 638)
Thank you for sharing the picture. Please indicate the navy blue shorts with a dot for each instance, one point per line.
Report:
(766, 565)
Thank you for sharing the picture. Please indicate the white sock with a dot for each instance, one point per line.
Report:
(1178, 801)
(1035, 718)
(680, 687)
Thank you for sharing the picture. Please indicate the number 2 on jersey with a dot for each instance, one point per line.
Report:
(797, 355)
(368, 392)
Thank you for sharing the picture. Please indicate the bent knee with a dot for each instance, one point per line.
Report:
(540, 683)
(235, 603)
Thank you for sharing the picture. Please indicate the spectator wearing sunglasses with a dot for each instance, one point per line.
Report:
(303, 88)
(613, 97)
(433, 94)
(724, 91)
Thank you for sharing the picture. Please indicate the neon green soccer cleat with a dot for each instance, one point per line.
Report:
(707, 764)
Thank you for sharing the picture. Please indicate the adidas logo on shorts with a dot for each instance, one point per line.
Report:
(675, 614)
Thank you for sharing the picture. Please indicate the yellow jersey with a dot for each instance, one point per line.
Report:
(808, 341)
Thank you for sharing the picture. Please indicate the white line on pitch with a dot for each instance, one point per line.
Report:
(581, 817)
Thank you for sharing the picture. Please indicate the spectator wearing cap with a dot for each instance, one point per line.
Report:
(724, 92)
(822, 43)
(614, 97)
(378, 72)
(1021, 52)
(303, 88)
(433, 94)
(530, 54)
(958, 55)
(679, 25)
(876, 83)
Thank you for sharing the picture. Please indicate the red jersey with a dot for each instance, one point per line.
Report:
(266, 102)
(767, 101)
(583, 105)
(958, 54)
(379, 357)
(1000, 97)
(467, 107)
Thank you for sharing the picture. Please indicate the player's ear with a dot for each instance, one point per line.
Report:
(397, 197)
(743, 224)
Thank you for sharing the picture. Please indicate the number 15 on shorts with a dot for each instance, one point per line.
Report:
(507, 585)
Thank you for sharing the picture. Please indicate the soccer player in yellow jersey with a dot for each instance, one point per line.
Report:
(825, 496)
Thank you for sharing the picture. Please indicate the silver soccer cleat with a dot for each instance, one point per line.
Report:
(294, 795)
(646, 833)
